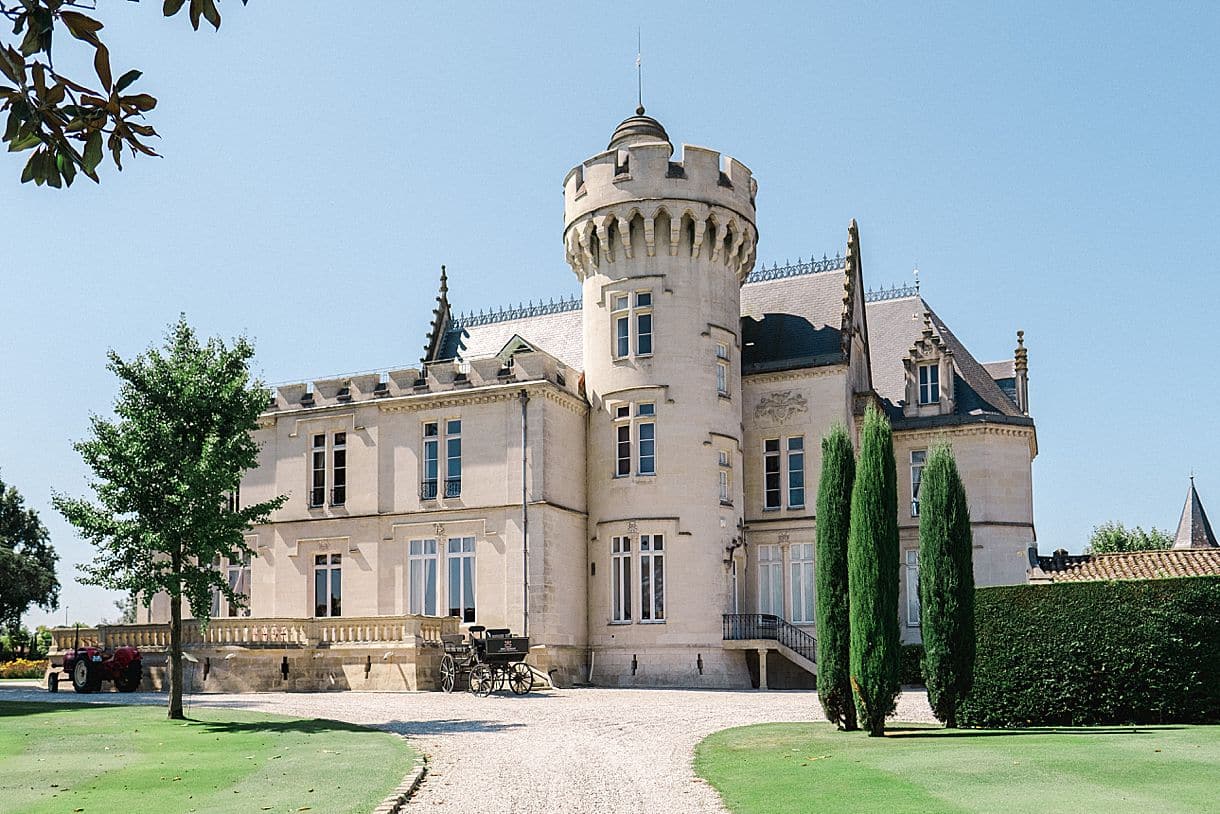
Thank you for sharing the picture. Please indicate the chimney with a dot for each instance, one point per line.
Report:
(1020, 367)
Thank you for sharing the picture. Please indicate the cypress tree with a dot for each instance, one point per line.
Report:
(872, 576)
(833, 625)
(946, 584)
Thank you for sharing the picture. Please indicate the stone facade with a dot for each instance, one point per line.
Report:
(659, 437)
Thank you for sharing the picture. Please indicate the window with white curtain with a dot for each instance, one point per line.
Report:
(801, 569)
(912, 556)
(770, 580)
(421, 577)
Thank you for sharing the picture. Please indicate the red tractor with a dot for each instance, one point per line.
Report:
(88, 667)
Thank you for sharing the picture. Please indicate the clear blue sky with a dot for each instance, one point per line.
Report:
(1048, 168)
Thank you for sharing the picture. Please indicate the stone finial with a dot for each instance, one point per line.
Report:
(1020, 367)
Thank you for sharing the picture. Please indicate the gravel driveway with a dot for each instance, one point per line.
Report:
(579, 750)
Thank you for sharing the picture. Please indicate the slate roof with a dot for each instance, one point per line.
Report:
(559, 333)
(792, 322)
(893, 327)
(1194, 530)
(788, 322)
(1061, 567)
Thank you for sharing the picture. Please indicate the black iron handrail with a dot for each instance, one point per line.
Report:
(738, 626)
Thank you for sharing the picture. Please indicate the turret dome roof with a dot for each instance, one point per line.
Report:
(637, 129)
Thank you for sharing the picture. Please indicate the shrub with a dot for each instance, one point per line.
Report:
(833, 625)
(872, 576)
(23, 668)
(911, 668)
(1145, 651)
(946, 584)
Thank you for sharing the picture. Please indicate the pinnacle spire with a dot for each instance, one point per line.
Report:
(1194, 530)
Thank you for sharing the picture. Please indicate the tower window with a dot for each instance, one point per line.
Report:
(722, 369)
(643, 323)
(635, 439)
(929, 383)
(631, 323)
(726, 478)
(647, 434)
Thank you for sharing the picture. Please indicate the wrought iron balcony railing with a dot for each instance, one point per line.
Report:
(739, 626)
(429, 489)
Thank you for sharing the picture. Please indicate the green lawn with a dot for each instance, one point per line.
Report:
(780, 768)
(99, 758)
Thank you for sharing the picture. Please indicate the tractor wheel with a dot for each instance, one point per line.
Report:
(448, 673)
(85, 676)
(129, 680)
(520, 678)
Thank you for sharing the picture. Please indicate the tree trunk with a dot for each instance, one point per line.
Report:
(175, 656)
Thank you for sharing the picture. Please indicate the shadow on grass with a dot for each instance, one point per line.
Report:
(15, 709)
(927, 732)
(314, 726)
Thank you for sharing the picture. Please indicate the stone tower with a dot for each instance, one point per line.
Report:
(661, 248)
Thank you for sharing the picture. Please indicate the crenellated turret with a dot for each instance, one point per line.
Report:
(661, 248)
(633, 198)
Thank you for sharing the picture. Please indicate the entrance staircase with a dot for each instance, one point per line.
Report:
(765, 631)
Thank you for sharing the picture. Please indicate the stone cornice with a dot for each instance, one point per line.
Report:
(792, 375)
(963, 430)
(484, 395)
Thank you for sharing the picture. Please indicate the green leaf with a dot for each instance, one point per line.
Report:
(67, 167)
(51, 171)
(101, 64)
(10, 66)
(126, 79)
(15, 118)
(141, 101)
(27, 174)
(82, 27)
(172, 7)
(24, 142)
(93, 151)
(210, 13)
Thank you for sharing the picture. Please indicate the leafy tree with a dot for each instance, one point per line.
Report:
(1111, 537)
(164, 468)
(62, 120)
(27, 560)
(872, 576)
(127, 610)
(833, 624)
(946, 584)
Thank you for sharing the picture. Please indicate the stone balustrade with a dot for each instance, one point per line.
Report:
(250, 632)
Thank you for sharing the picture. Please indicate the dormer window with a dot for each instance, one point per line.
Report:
(929, 375)
(929, 383)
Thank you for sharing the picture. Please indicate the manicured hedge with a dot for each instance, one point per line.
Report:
(911, 670)
(1097, 653)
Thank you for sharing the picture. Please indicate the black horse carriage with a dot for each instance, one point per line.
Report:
(487, 660)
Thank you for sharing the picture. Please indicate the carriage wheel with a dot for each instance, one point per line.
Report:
(520, 678)
(482, 680)
(448, 673)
